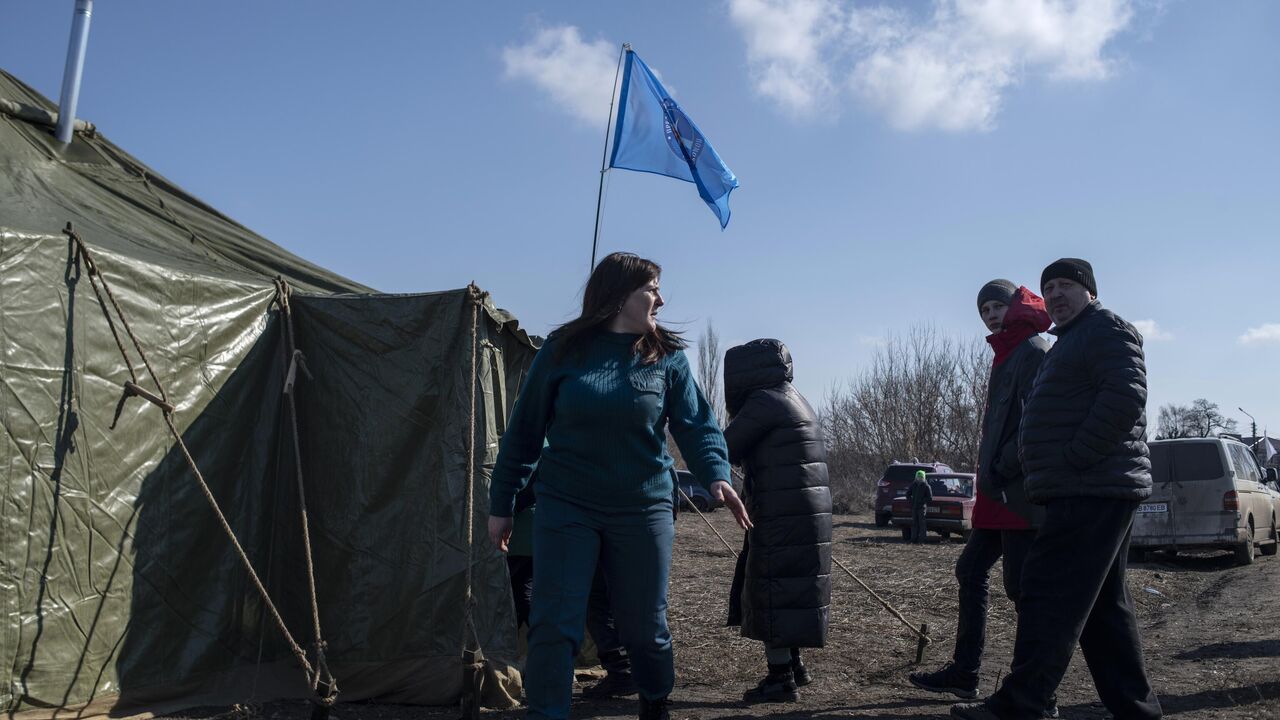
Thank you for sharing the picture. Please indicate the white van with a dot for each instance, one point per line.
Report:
(1207, 493)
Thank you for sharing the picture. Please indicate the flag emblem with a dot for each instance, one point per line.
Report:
(683, 138)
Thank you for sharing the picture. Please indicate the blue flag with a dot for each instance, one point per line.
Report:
(652, 134)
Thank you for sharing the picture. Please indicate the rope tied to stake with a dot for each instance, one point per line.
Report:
(922, 633)
(160, 398)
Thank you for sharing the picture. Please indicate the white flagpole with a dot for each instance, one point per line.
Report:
(604, 156)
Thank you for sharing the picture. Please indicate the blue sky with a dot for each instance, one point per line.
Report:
(893, 156)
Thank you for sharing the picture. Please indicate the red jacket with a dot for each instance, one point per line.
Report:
(1000, 500)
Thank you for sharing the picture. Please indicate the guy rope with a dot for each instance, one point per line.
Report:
(319, 679)
(921, 633)
(472, 659)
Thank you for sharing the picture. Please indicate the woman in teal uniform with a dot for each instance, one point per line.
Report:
(604, 391)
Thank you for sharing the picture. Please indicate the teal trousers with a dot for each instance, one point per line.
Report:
(634, 547)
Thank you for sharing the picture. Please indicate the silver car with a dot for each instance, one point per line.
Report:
(1207, 493)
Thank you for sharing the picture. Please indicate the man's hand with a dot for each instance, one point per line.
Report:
(500, 531)
(723, 492)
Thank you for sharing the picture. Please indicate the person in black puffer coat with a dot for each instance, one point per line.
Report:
(1082, 441)
(781, 593)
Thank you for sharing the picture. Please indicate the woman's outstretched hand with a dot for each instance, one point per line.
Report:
(724, 492)
(500, 530)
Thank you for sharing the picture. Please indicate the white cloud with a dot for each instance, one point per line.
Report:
(946, 70)
(872, 341)
(785, 44)
(577, 75)
(1152, 332)
(1268, 333)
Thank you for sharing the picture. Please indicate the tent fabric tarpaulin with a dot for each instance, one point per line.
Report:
(121, 594)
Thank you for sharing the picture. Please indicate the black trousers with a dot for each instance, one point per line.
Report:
(918, 526)
(1073, 590)
(520, 567)
(973, 572)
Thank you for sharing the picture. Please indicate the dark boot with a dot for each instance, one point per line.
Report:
(655, 709)
(974, 711)
(799, 672)
(1052, 712)
(947, 679)
(617, 683)
(778, 686)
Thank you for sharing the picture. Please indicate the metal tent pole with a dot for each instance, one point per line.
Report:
(74, 70)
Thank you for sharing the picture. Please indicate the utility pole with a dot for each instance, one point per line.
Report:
(1253, 425)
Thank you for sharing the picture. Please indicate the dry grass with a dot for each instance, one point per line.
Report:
(1210, 631)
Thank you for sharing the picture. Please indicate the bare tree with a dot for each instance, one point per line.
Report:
(1174, 422)
(921, 398)
(709, 358)
(1199, 419)
(1210, 419)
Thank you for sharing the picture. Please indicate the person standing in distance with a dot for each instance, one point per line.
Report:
(919, 494)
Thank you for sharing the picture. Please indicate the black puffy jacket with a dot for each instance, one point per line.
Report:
(781, 591)
(1084, 427)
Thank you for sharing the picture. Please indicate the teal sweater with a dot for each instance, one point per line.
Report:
(605, 417)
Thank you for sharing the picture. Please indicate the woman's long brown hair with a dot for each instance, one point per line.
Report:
(612, 282)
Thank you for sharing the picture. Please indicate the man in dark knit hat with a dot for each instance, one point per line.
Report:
(1083, 449)
(1004, 521)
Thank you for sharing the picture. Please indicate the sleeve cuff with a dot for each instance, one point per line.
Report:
(502, 507)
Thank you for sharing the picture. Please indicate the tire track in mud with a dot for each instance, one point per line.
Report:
(1207, 598)
(1213, 654)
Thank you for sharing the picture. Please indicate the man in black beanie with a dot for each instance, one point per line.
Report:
(1082, 440)
(1074, 269)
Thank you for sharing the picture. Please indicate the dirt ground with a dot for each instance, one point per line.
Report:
(1211, 633)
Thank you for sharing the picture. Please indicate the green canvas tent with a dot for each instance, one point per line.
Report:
(121, 592)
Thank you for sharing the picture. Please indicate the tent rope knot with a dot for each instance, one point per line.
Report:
(324, 685)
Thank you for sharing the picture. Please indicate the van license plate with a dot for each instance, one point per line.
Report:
(1153, 508)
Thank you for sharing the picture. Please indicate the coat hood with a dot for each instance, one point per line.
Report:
(1027, 310)
(755, 365)
(1025, 318)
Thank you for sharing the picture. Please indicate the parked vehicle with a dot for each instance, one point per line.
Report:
(950, 511)
(701, 498)
(1207, 493)
(1272, 486)
(894, 482)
